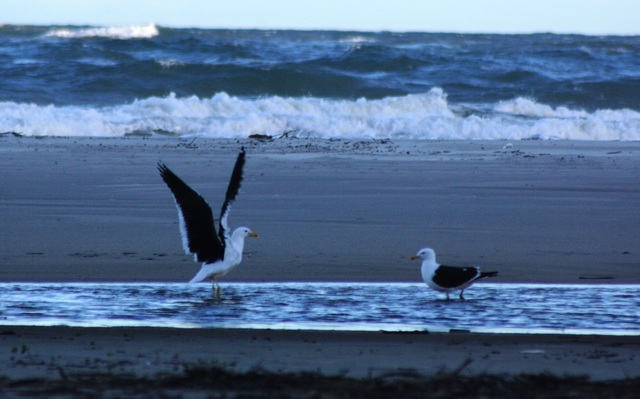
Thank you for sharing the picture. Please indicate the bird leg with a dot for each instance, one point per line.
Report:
(215, 287)
(447, 295)
(461, 297)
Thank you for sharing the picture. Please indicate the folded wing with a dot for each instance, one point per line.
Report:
(453, 276)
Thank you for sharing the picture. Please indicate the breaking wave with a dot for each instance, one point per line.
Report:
(426, 116)
(123, 33)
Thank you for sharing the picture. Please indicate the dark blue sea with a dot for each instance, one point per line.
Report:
(152, 80)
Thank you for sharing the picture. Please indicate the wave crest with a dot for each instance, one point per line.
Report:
(123, 33)
(426, 116)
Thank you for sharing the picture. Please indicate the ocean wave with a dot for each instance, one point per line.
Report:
(528, 107)
(123, 33)
(426, 116)
(483, 69)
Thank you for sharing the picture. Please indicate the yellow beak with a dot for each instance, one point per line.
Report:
(253, 234)
(414, 257)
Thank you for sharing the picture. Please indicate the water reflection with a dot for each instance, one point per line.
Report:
(531, 308)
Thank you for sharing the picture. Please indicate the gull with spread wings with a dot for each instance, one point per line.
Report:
(220, 252)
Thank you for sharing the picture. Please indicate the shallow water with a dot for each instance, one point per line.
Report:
(515, 308)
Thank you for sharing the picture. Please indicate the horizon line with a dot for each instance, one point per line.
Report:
(323, 29)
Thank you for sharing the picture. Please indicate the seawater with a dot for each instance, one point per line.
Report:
(158, 81)
(498, 308)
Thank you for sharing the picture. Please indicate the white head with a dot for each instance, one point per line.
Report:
(426, 255)
(243, 232)
(235, 245)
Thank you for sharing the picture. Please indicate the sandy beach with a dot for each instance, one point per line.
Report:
(112, 361)
(85, 209)
(147, 351)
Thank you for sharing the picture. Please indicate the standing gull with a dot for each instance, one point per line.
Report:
(219, 252)
(448, 278)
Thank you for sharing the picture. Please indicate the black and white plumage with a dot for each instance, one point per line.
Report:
(448, 278)
(219, 252)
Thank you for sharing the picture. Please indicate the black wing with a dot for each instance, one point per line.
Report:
(232, 192)
(196, 220)
(452, 276)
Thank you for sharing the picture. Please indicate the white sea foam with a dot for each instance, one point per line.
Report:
(416, 116)
(169, 63)
(527, 107)
(357, 39)
(123, 32)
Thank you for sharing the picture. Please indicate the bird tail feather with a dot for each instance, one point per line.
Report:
(202, 275)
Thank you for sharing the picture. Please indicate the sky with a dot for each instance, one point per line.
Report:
(594, 17)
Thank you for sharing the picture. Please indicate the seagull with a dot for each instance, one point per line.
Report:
(219, 252)
(448, 278)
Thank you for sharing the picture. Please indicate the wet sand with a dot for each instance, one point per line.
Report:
(43, 360)
(536, 211)
(147, 351)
